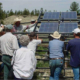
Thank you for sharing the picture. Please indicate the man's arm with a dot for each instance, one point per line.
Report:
(31, 25)
(68, 49)
(1, 28)
(15, 45)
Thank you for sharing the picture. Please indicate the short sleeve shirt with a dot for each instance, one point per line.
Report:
(56, 48)
(74, 48)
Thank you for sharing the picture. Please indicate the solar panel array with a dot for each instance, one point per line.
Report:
(51, 15)
(69, 15)
(48, 27)
(67, 27)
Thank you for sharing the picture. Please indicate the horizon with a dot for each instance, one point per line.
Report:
(50, 5)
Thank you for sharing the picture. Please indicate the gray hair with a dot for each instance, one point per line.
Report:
(24, 40)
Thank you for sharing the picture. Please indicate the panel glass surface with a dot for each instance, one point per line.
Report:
(69, 15)
(67, 27)
(51, 15)
(48, 27)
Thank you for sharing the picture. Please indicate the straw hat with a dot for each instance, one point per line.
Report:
(56, 35)
(17, 19)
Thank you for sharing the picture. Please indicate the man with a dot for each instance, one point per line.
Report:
(24, 61)
(19, 28)
(8, 44)
(74, 48)
(34, 42)
(56, 56)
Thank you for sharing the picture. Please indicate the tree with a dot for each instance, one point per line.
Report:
(32, 13)
(74, 6)
(1, 11)
(11, 12)
(26, 12)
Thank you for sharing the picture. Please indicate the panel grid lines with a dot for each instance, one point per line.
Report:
(69, 15)
(51, 15)
(67, 27)
(48, 27)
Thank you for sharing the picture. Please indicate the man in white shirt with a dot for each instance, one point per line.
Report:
(8, 44)
(34, 41)
(24, 61)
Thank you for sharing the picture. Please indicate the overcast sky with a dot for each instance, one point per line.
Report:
(59, 5)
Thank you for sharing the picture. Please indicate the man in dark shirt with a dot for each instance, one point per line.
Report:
(74, 48)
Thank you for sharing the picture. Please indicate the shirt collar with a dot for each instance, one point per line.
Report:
(23, 46)
(8, 33)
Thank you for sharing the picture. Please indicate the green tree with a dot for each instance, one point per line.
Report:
(1, 12)
(11, 12)
(32, 13)
(26, 12)
(74, 6)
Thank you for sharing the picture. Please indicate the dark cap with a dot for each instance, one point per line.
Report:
(32, 34)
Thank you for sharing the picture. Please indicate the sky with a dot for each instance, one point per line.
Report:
(49, 5)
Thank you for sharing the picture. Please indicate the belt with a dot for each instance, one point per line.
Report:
(6, 55)
(55, 58)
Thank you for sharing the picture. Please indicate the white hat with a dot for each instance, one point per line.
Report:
(56, 35)
(32, 20)
(77, 30)
(17, 19)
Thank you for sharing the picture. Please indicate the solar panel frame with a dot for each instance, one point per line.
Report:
(69, 15)
(51, 15)
(67, 27)
(48, 27)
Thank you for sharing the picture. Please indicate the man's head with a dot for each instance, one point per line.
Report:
(76, 33)
(8, 28)
(32, 21)
(24, 40)
(17, 21)
(32, 35)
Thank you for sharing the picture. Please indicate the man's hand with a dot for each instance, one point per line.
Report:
(2, 26)
(36, 21)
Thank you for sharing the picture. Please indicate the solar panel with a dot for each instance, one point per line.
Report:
(69, 15)
(48, 27)
(51, 15)
(67, 27)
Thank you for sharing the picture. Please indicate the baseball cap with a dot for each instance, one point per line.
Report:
(77, 30)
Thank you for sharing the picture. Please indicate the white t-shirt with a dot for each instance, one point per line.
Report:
(24, 63)
(33, 44)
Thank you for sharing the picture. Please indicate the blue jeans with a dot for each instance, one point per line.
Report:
(55, 68)
(76, 72)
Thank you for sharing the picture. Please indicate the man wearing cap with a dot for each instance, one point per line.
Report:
(8, 44)
(56, 56)
(74, 48)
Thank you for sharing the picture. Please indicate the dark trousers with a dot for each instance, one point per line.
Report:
(21, 79)
(7, 65)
